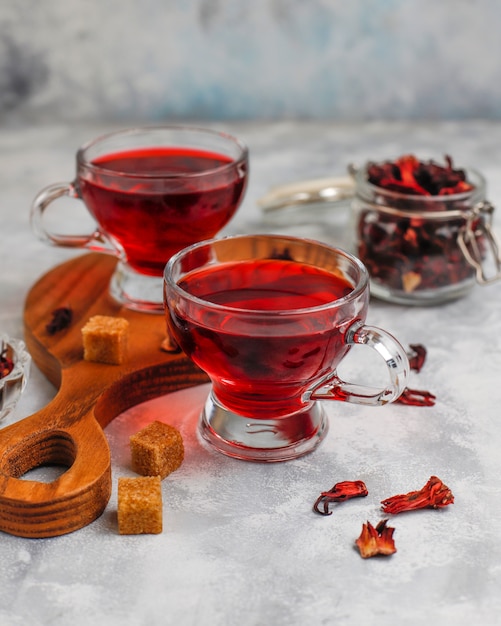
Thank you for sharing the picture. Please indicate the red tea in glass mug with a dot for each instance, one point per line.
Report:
(264, 285)
(269, 319)
(151, 224)
(152, 192)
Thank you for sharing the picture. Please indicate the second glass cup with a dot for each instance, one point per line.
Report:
(269, 319)
(152, 191)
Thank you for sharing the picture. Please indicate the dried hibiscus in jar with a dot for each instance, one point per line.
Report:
(409, 218)
(6, 363)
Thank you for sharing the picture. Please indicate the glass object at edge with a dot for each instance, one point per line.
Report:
(12, 385)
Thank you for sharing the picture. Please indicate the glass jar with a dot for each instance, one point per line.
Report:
(419, 250)
(12, 384)
(423, 250)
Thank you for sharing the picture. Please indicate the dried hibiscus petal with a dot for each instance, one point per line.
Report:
(434, 495)
(416, 356)
(374, 541)
(416, 397)
(61, 319)
(339, 493)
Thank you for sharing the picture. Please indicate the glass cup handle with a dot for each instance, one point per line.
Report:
(396, 361)
(96, 241)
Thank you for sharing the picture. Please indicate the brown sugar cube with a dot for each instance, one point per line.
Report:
(105, 339)
(156, 450)
(139, 505)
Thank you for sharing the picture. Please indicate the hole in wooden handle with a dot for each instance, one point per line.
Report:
(46, 448)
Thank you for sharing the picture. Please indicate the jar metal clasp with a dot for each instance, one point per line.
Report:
(478, 227)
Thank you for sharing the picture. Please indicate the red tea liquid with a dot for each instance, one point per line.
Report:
(151, 221)
(260, 366)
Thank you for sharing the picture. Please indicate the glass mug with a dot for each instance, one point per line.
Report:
(269, 318)
(152, 192)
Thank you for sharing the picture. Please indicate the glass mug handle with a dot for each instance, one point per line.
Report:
(96, 241)
(396, 361)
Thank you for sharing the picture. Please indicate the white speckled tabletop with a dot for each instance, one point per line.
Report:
(241, 544)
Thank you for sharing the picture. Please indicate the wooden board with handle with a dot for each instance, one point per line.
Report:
(69, 430)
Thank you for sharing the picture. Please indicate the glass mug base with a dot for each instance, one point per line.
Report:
(135, 291)
(262, 440)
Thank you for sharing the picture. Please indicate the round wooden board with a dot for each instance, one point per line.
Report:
(69, 430)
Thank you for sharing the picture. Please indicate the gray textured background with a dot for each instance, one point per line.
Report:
(154, 60)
